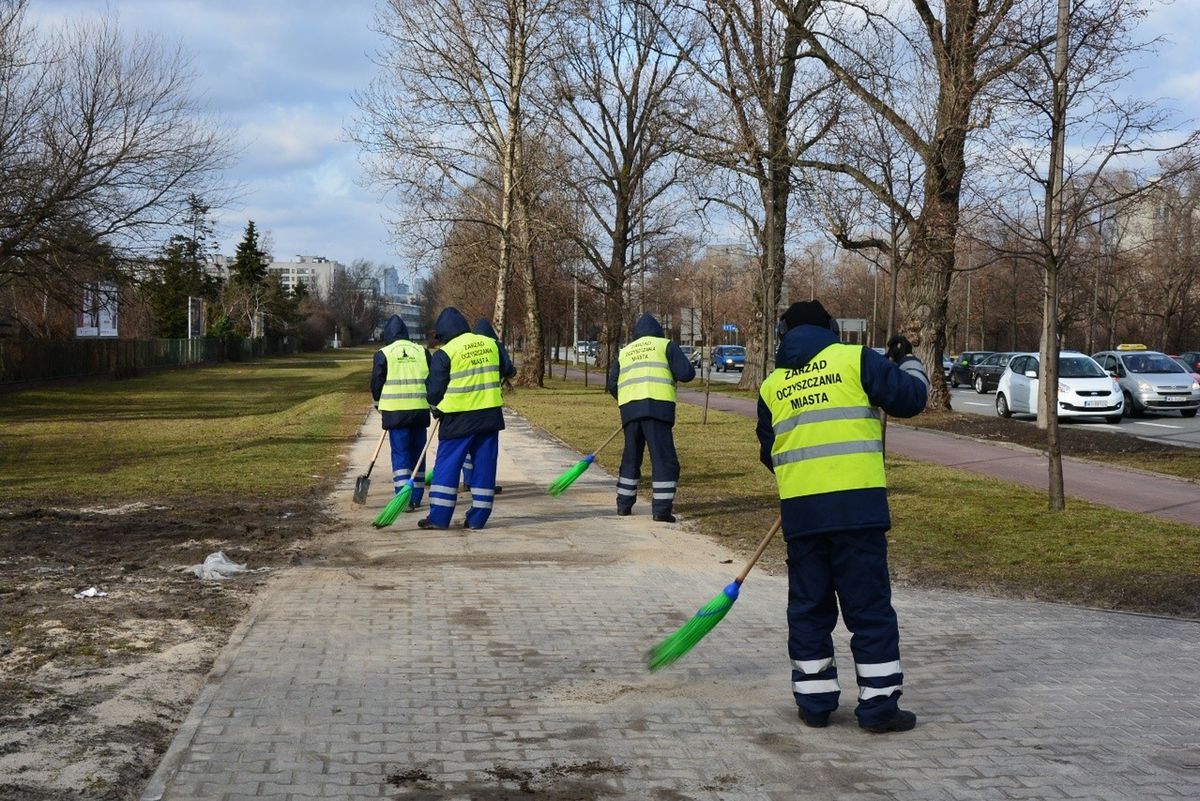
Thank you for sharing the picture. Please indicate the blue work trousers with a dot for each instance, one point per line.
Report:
(664, 465)
(847, 568)
(407, 445)
(443, 489)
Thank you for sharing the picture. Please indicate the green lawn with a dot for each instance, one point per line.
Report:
(267, 428)
(951, 528)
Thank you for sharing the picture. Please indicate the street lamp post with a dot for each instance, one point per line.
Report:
(575, 322)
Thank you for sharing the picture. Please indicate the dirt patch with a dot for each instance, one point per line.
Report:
(92, 690)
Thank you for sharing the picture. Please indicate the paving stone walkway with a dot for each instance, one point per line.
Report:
(507, 664)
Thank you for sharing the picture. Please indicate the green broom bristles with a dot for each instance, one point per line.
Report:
(568, 478)
(395, 506)
(685, 638)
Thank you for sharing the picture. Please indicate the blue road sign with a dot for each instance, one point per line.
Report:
(729, 327)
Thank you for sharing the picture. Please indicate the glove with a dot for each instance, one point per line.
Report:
(898, 347)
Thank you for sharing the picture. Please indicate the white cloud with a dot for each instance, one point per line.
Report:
(288, 137)
(281, 73)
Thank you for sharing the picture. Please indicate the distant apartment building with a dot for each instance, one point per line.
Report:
(316, 272)
(410, 313)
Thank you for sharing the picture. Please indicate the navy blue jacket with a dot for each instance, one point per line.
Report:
(681, 369)
(892, 389)
(484, 326)
(395, 329)
(450, 324)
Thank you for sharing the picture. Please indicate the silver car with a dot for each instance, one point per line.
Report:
(1151, 381)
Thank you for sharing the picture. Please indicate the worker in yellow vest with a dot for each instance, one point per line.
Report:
(820, 434)
(643, 379)
(398, 386)
(507, 370)
(464, 388)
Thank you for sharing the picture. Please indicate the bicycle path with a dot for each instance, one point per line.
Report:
(1161, 496)
(507, 664)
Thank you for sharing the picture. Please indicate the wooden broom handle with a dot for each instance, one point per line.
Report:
(762, 546)
(611, 437)
(378, 448)
(428, 442)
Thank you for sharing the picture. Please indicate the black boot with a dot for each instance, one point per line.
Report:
(901, 721)
(425, 522)
(814, 721)
(624, 512)
(664, 517)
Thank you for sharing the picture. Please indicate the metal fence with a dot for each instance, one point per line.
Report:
(22, 361)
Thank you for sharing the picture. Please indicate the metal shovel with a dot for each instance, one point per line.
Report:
(363, 483)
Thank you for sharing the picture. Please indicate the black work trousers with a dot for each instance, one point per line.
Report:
(664, 465)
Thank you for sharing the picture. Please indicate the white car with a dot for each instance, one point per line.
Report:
(1084, 389)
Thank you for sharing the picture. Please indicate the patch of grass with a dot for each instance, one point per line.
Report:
(951, 528)
(269, 428)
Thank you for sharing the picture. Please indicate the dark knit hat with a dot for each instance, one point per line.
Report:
(808, 312)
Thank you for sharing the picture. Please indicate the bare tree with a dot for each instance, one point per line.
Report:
(101, 141)
(615, 96)
(766, 111)
(927, 72)
(1054, 197)
(449, 118)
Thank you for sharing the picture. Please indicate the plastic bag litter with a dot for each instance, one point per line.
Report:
(91, 592)
(217, 566)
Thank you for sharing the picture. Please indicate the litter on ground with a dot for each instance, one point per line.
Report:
(217, 566)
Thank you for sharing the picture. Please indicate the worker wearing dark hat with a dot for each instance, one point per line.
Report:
(398, 386)
(484, 327)
(464, 386)
(643, 379)
(820, 434)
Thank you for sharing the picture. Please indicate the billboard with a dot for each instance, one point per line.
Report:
(97, 316)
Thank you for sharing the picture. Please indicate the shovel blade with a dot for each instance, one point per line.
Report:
(360, 489)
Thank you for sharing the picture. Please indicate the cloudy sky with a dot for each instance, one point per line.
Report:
(281, 73)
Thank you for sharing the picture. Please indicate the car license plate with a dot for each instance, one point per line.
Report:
(1094, 404)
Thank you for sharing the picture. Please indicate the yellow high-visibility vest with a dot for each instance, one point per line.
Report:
(645, 371)
(474, 374)
(828, 437)
(407, 369)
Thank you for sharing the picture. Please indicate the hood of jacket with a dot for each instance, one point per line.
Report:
(484, 326)
(394, 329)
(646, 326)
(450, 323)
(801, 344)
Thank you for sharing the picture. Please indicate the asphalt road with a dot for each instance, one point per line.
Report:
(1166, 427)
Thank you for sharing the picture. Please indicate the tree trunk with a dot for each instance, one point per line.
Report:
(1052, 236)
(533, 361)
(929, 292)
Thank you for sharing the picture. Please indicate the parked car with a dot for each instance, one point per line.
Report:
(985, 375)
(960, 371)
(1194, 370)
(1151, 381)
(1192, 357)
(947, 364)
(728, 357)
(1084, 389)
(692, 354)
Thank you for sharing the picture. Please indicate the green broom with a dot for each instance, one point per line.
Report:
(568, 478)
(401, 499)
(705, 620)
